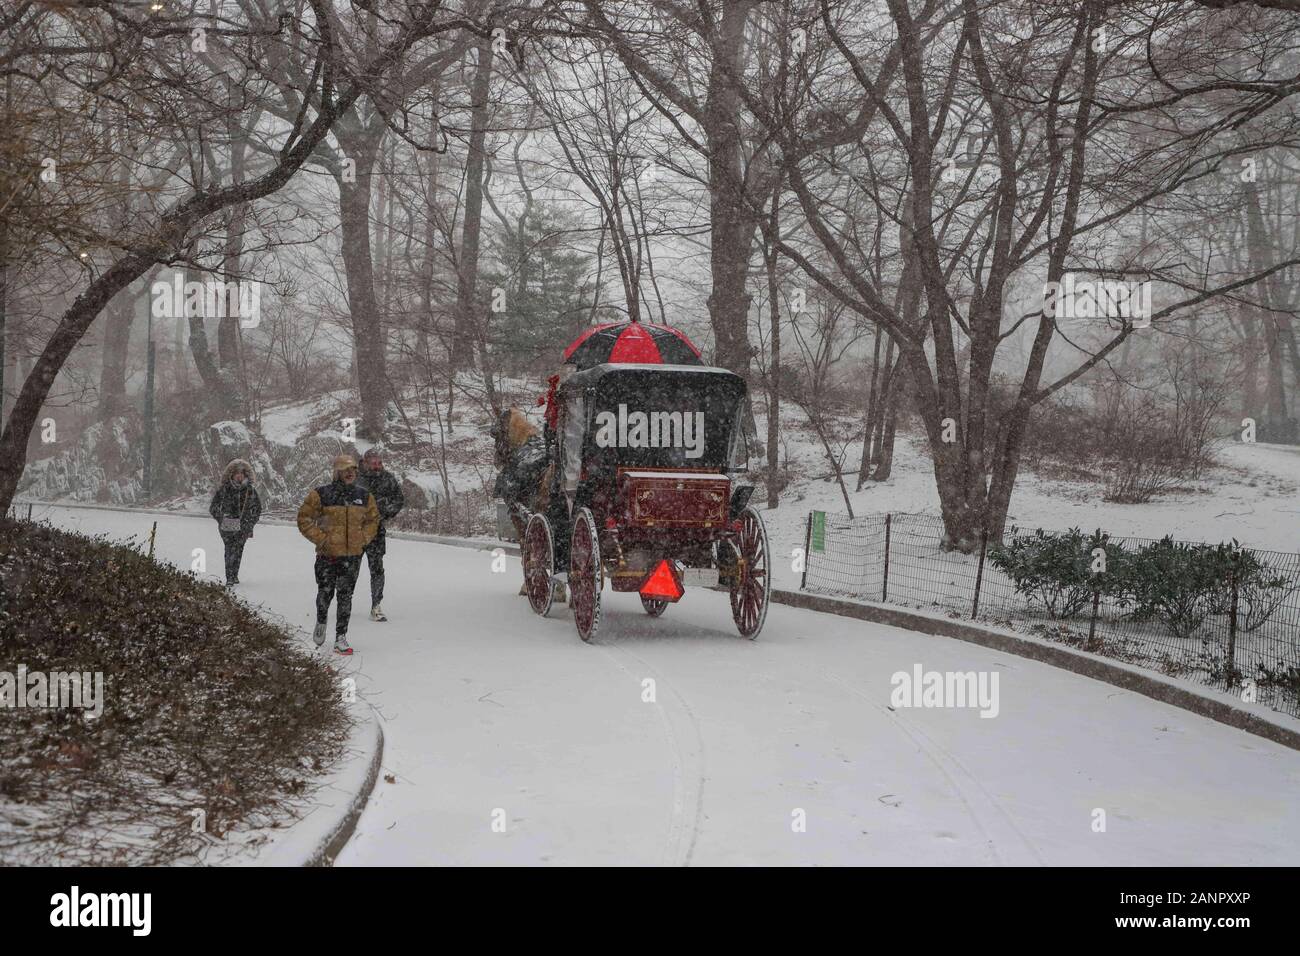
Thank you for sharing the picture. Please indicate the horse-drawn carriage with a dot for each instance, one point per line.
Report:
(643, 493)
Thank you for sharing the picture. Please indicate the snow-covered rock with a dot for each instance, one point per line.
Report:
(422, 490)
(103, 465)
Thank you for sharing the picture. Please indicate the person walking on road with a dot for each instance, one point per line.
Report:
(388, 499)
(340, 519)
(236, 508)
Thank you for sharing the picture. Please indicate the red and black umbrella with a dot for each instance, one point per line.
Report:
(639, 342)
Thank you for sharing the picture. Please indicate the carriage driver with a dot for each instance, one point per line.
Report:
(524, 480)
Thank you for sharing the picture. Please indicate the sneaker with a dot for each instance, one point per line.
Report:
(341, 646)
(377, 613)
(318, 635)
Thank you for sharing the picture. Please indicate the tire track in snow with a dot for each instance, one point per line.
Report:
(951, 768)
(688, 788)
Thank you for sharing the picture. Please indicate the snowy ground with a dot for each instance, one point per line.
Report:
(1253, 496)
(491, 712)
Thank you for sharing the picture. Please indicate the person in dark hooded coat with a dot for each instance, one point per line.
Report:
(235, 507)
(386, 488)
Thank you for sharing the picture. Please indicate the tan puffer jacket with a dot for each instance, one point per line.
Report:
(340, 519)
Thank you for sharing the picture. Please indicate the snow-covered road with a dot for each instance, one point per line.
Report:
(492, 714)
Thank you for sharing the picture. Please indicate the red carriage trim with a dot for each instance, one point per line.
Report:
(636, 345)
(573, 346)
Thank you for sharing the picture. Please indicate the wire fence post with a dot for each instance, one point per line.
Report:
(807, 554)
(884, 584)
(1092, 624)
(152, 534)
(148, 416)
(1231, 677)
(979, 575)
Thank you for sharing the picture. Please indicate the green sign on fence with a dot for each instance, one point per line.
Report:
(817, 540)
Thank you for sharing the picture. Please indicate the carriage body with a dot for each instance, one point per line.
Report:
(654, 453)
(647, 489)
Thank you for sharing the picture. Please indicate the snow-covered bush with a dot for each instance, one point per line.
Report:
(204, 705)
(1055, 569)
(1178, 584)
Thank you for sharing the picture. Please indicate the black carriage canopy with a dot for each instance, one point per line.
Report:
(652, 416)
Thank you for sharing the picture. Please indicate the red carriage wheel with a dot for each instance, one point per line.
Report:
(654, 606)
(751, 588)
(585, 575)
(539, 562)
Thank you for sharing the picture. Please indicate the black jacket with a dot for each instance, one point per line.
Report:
(242, 503)
(387, 490)
(522, 475)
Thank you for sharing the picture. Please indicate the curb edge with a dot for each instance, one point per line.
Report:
(1155, 686)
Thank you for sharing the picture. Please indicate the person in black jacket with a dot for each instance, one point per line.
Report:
(388, 498)
(236, 508)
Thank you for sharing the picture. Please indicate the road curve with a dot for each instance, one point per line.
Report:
(511, 742)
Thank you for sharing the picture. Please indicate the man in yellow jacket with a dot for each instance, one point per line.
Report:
(340, 519)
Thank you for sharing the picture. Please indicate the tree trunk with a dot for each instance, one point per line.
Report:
(731, 226)
(180, 366)
(886, 413)
(6, 349)
(1250, 362)
(868, 433)
(885, 456)
(209, 374)
(464, 336)
(1261, 257)
(489, 377)
(774, 365)
(884, 450)
(1288, 334)
(358, 265)
(1006, 468)
(424, 321)
(228, 334)
(112, 371)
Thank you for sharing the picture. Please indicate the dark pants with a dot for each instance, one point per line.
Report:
(234, 554)
(375, 559)
(336, 575)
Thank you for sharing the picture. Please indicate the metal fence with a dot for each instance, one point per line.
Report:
(1241, 642)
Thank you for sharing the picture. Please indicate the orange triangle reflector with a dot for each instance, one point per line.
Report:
(662, 584)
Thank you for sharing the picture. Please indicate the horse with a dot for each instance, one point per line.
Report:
(525, 470)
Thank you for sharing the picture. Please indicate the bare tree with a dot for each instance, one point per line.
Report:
(160, 237)
(1077, 137)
